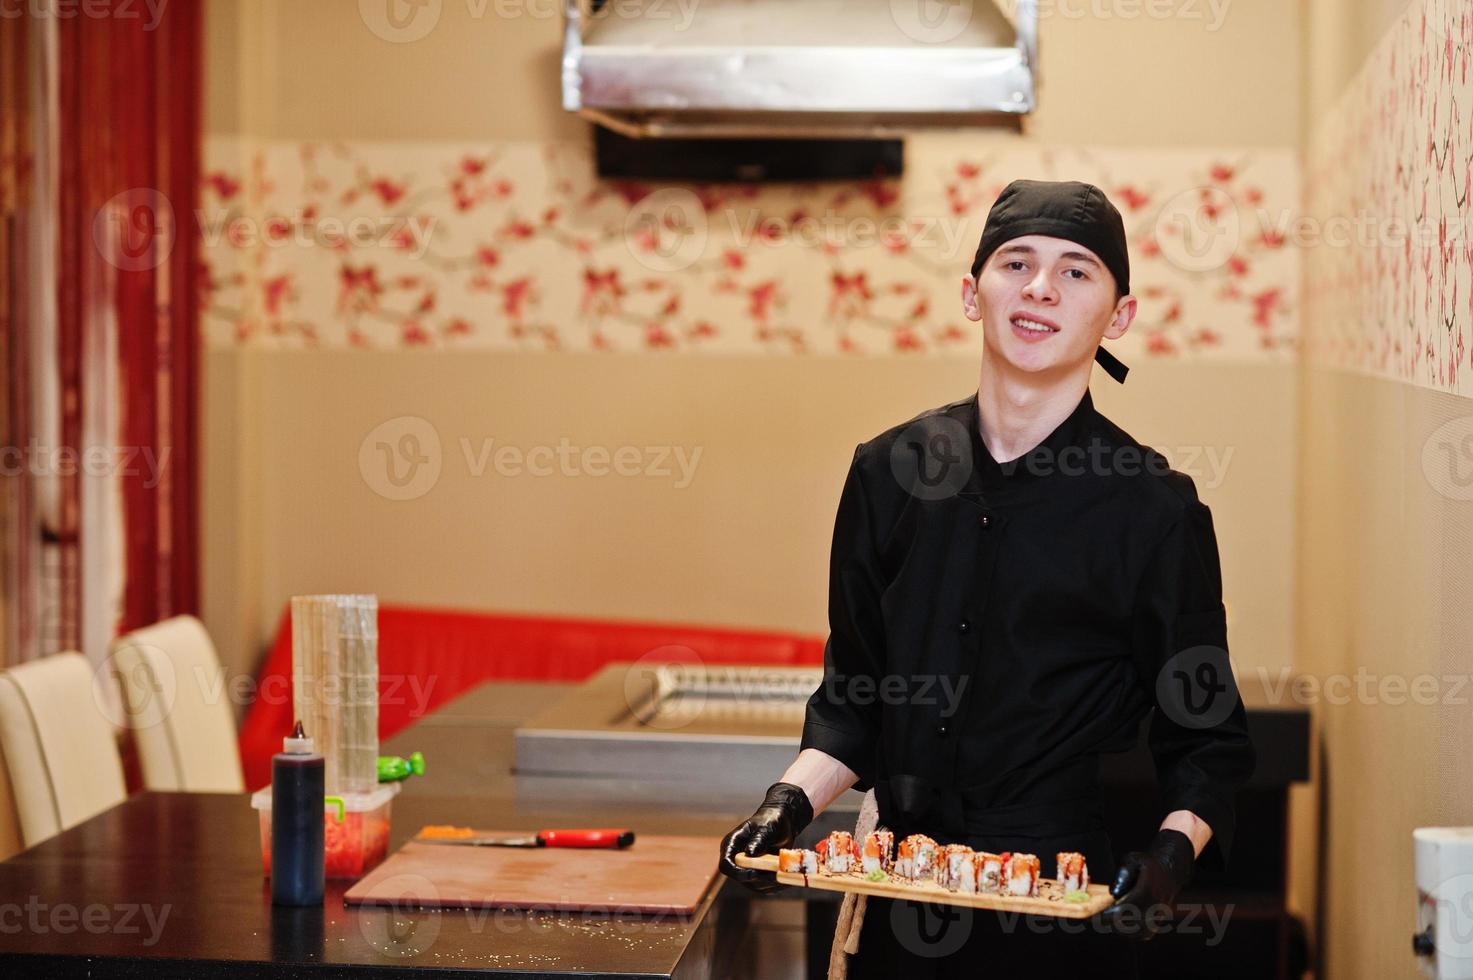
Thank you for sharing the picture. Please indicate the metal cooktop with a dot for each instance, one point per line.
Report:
(728, 727)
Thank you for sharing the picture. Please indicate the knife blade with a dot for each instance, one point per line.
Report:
(608, 838)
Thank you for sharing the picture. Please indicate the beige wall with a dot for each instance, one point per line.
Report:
(732, 549)
(1384, 566)
(1385, 569)
(745, 542)
(1334, 44)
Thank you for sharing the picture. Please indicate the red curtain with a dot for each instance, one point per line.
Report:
(149, 83)
(17, 199)
(105, 377)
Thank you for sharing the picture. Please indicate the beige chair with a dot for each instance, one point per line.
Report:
(11, 841)
(58, 745)
(177, 702)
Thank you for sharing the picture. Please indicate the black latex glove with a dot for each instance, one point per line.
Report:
(1147, 882)
(776, 824)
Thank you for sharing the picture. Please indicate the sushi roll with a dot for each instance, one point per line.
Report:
(1073, 872)
(955, 867)
(839, 855)
(988, 870)
(905, 859)
(797, 861)
(967, 885)
(915, 858)
(928, 854)
(878, 853)
(1020, 874)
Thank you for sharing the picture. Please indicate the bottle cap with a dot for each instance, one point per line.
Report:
(297, 743)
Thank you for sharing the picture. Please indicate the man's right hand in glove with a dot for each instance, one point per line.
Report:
(776, 824)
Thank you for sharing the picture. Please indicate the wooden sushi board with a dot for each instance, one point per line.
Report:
(655, 874)
(1050, 899)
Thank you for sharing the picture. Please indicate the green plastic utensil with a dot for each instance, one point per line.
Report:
(393, 768)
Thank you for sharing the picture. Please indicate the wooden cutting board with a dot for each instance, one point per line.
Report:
(1049, 901)
(654, 874)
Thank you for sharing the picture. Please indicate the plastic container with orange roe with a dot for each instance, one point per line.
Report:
(355, 834)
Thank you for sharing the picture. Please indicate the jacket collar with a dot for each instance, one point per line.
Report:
(1042, 460)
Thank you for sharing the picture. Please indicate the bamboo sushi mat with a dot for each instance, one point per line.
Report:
(1049, 901)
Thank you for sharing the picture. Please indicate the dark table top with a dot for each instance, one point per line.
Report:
(170, 884)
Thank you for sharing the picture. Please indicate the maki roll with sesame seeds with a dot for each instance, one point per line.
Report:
(1073, 872)
(878, 853)
(1020, 874)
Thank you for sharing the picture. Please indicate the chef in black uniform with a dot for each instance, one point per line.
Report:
(1015, 583)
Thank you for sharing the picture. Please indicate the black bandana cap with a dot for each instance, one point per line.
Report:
(1065, 209)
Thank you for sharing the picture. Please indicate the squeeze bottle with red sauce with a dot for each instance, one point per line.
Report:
(297, 802)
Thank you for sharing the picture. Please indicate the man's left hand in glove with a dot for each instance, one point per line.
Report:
(1147, 883)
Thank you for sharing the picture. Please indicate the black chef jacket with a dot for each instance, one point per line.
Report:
(995, 627)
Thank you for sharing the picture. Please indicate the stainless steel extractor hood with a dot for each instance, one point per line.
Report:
(763, 68)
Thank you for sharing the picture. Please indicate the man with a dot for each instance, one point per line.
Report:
(1015, 583)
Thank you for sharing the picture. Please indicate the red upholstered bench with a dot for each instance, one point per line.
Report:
(428, 656)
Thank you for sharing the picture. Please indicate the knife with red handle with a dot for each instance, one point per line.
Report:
(606, 838)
